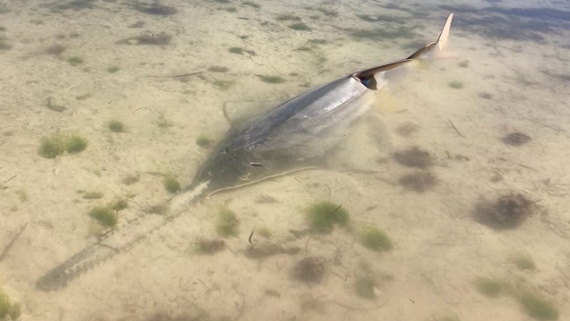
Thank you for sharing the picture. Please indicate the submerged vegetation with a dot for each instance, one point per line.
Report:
(104, 215)
(116, 126)
(523, 262)
(218, 69)
(413, 157)
(58, 144)
(171, 184)
(489, 287)
(464, 64)
(158, 39)
(537, 307)
(55, 107)
(203, 141)
(209, 246)
(364, 288)
(515, 139)
(324, 215)
(120, 205)
(505, 212)
(113, 69)
(155, 8)
(287, 17)
(251, 4)
(272, 79)
(310, 269)
(75, 60)
(75, 144)
(4, 45)
(456, 84)
(374, 239)
(8, 308)
(299, 26)
(223, 84)
(236, 50)
(228, 223)
(418, 182)
(92, 195)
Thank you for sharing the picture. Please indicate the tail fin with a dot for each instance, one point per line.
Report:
(441, 41)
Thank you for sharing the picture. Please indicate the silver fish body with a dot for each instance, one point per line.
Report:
(302, 130)
(296, 133)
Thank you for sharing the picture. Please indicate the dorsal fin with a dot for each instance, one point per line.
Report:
(369, 72)
(441, 41)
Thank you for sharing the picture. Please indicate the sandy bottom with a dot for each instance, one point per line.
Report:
(440, 252)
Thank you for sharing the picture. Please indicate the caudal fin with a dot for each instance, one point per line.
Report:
(437, 46)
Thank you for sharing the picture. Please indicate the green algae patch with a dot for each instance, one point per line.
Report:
(324, 215)
(105, 216)
(228, 223)
(374, 239)
(56, 145)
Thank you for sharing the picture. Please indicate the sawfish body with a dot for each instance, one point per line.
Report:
(297, 133)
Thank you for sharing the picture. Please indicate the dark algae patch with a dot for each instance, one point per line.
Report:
(218, 69)
(310, 269)
(159, 39)
(287, 17)
(236, 50)
(156, 9)
(525, 263)
(515, 139)
(505, 212)
(55, 107)
(418, 182)
(299, 26)
(272, 79)
(4, 45)
(209, 246)
(113, 69)
(413, 157)
(92, 195)
(251, 4)
(456, 84)
(75, 61)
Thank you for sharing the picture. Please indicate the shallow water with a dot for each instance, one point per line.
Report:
(435, 175)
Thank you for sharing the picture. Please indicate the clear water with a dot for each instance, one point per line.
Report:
(479, 231)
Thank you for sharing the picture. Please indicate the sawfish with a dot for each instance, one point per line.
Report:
(295, 134)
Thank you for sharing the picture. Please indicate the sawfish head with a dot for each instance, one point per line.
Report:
(223, 168)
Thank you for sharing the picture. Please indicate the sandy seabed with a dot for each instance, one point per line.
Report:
(457, 110)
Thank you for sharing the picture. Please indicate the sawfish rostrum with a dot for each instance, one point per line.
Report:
(297, 133)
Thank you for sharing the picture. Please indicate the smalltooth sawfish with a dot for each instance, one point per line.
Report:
(297, 133)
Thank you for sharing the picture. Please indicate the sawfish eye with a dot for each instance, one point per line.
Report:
(369, 82)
